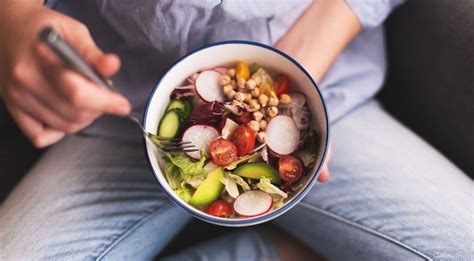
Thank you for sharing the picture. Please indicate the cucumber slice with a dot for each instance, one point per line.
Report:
(185, 105)
(171, 123)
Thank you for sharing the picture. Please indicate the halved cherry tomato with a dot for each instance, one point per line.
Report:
(244, 140)
(219, 208)
(243, 118)
(281, 85)
(223, 152)
(290, 168)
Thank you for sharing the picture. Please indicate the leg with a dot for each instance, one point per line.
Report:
(88, 198)
(390, 196)
(244, 244)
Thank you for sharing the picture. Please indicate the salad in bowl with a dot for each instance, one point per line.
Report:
(258, 144)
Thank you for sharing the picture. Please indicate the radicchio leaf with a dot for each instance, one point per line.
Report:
(183, 92)
(208, 113)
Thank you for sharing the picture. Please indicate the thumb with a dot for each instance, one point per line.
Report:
(79, 37)
(324, 175)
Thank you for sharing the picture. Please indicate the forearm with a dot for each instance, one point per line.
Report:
(320, 35)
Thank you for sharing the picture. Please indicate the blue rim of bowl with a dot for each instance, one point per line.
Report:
(259, 219)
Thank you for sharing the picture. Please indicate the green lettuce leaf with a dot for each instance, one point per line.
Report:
(184, 193)
(186, 166)
(173, 175)
(230, 186)
(239, 181)
(265, 185)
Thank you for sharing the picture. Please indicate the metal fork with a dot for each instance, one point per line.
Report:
(72, 59)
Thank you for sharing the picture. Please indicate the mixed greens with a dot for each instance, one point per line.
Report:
(253, 136)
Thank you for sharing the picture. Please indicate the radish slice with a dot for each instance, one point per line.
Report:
(253, 203)
(191, 79)
(220, 69)
(282, 135)
(200, 136)
(207, 86)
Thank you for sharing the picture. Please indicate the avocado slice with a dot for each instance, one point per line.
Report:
(257, 170)
(209, 190)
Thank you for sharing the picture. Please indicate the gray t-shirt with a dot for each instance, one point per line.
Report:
(150, 35)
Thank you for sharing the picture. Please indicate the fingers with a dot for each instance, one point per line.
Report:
(81, 40)
(79, 37)
(79, 92)
(85, 95)
(108, 65)
(39, 135)
(34, 84)
(27, 103)
(324, 174)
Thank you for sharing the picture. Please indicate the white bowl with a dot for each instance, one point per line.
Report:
(227, 53)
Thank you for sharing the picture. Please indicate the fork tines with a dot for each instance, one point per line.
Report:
(172, 144)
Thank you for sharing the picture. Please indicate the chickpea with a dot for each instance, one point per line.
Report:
(261, 137)
(254, 105)
(254, 125)
(263, 99)
(224, 79)
(258, 116)
(239, 96)
(256, 92)
(233, 83)
(231, 94)
(272, 101)
(272, 111)
(241, 83)
(231, 72)
(248, 97)
(285, 99)
(263, 124)
(227, 88)
(250, 84)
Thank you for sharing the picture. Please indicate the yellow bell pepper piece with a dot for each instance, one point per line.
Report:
(267, 89)
(242, 71)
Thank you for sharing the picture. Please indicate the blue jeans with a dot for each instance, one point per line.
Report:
(391, 196)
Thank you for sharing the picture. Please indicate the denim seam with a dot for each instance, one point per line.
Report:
(130, 230)
(365, 228)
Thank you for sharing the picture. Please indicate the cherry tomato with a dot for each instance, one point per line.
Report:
(223, 152)
(244, 140)
(290, 168)
(281, 85)
(219, 208)
(243, 118)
